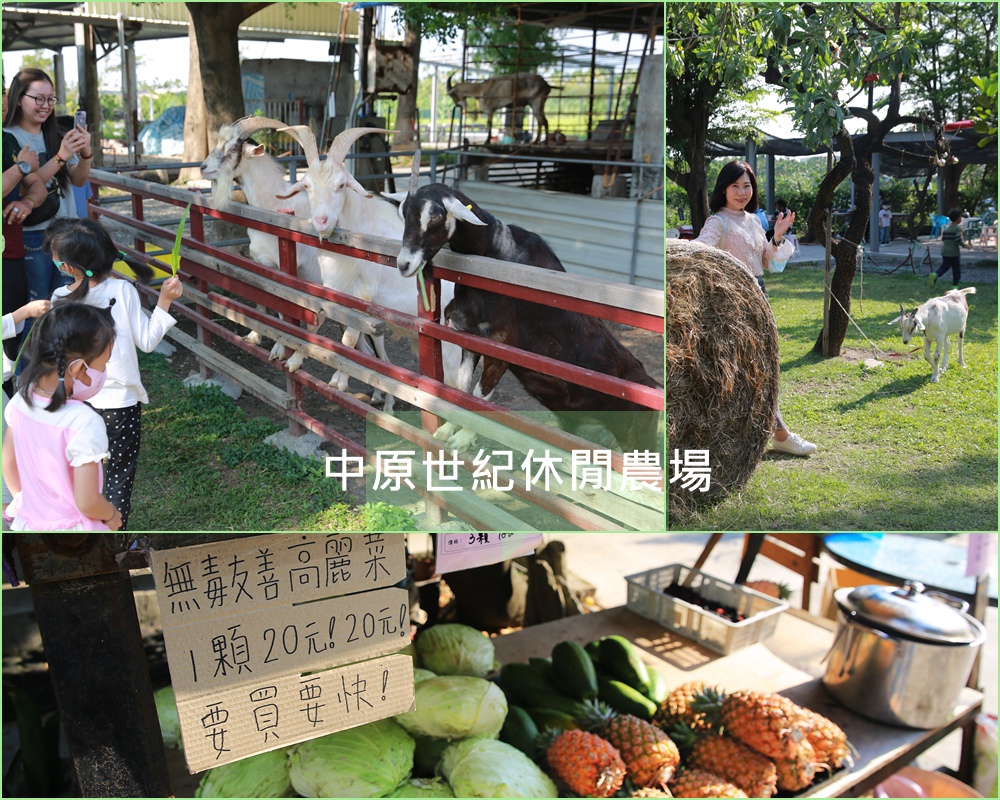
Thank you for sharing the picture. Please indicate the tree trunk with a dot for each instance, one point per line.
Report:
(195, 133)
(688, 108)
(952, 177)
(408, 135)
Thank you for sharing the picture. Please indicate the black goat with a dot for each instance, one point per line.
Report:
(434, 216)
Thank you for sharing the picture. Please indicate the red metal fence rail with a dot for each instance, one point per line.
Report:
(210, 270)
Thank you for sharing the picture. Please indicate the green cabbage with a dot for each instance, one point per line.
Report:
(423, 787)
(455, 707)
(421, 675)
(166, 713)
(263, 775)
(488, 768)
(368, 761)
(456, 650)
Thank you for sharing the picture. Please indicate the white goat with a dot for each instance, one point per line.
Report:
(332, 206)
(237, 155)
(937, 319)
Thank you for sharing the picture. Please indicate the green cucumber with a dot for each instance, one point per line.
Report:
(515, 678)
(574, 671)
(593, 650)
(544, 666)
(519, 730)
(624, 699)
(620, 659)
(658, 689)
(555, 700)
(550, 718)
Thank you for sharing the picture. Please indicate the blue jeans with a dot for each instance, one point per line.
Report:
(43, 277)
(883, 235)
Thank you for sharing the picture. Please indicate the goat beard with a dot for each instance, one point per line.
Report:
(222, 192)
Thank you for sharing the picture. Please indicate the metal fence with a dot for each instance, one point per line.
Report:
(223, 285)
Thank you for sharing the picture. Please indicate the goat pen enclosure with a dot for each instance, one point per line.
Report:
(223, 291)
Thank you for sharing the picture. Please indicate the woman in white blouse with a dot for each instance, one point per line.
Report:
(733, 227)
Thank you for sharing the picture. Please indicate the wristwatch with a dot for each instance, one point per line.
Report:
(25, 167)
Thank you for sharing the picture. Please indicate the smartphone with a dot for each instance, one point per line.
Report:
(80, 119)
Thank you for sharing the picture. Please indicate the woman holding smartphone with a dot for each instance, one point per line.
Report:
(64, 159)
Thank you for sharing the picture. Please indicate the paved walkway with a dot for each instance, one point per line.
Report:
(979, 265)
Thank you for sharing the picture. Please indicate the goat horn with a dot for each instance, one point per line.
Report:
(304, 136)
(249, 125)
(414, 173)
(342, 144)
(448, 83)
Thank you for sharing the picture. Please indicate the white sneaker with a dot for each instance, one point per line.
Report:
(794, 445)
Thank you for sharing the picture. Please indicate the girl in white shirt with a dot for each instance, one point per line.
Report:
(733, 227)
(84, 250)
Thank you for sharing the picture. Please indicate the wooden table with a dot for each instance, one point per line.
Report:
(789, 663)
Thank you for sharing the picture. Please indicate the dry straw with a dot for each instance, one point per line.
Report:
(721, 368)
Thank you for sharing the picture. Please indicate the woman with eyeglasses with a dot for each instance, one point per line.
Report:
(64, 157)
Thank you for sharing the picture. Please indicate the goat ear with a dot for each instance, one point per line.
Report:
(396, 197)
(896, 321)
(294, 190)
(257, 150)
(354, 186)
(454, 207)
(920, 326)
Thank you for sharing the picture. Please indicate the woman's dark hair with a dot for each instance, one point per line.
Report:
(51, 132)
(728, 175)
(86, 245)
(64, 333)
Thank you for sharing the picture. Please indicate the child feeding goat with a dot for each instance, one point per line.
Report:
(435, 216)
(937, 319)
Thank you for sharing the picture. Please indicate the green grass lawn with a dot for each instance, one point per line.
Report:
(203, 466)
(895, 451)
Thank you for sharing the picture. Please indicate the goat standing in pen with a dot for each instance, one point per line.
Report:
(937, 319)
(237, 156)
(332, 206)
(435, 216)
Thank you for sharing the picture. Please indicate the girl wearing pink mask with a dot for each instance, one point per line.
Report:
(55, 443)
(85, 251)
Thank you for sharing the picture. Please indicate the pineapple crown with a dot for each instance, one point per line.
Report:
(595, 716)
(684, 736)
(709, 702)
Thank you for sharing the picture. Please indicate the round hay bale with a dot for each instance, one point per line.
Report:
(721, 367)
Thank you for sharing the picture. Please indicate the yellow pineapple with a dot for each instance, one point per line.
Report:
(759, 720)
(732, 760)
(799, 771)
(677, 707)
(698, 783)
(586, 763)
(650, 755)
(827, 739)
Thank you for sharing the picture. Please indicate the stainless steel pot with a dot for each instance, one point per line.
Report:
(901, 656)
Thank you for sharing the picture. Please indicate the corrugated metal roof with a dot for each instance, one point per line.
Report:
(313, 20)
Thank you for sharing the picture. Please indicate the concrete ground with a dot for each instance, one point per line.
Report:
(604, 559)
(983, 259)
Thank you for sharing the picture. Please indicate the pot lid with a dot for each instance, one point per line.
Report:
(931, 616)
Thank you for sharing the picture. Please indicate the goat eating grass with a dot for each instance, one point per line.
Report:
(937, 319)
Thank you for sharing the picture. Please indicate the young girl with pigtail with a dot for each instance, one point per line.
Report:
(85, 251)
(55, 443)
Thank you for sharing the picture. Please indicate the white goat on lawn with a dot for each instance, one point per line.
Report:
(237, 155)
(937, 319)
(332, 206)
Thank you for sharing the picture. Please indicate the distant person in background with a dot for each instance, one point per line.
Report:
(951, 241)
(80, 193)
(762, 218)
(884, 224)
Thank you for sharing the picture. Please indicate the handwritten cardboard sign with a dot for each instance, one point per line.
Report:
(258, 632)
(221, 727)
(457, 551)
(230, 651)
(241, 575)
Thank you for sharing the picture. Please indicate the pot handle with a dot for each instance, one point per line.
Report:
(948, 599)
